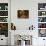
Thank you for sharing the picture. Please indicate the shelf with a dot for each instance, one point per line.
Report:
(41, 19)
(41, 22)
(41, 10)
(42, 16)
(41, 28)
(3, 22)
(4, 19)
(3, 16)
(3, 10)
(42, 37)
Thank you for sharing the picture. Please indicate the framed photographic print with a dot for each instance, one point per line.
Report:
(41, 25)
(41, 6)
(23, 14)
(41, 19)
(3, 13)
(42, 32)
(41, 13)
(3, 6)
(3, 19)
(4, 29)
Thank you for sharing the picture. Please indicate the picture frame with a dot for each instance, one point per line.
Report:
(42, 32)
(23, 14)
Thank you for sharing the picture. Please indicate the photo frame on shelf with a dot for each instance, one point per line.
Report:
(41, 6)
(41, 19)
(23, 14)
(3, 19)
(41, 25)
(4, 29)
(42, 32)
(3, 13)
(3, 6)
(41, 13)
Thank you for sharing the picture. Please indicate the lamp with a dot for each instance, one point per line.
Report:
(24, 37)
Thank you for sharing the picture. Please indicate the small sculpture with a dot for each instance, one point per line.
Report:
(31, 27)
(13, 27)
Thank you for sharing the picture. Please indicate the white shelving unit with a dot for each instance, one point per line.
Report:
(4, 18)
(42, 18)
(3, 9)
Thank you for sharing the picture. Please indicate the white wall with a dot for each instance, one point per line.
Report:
(3, 1)
(22, 25)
